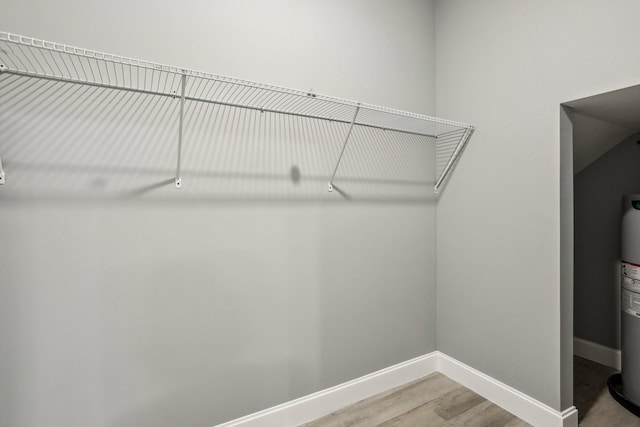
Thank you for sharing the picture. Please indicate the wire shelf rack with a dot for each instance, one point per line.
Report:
(30, 58)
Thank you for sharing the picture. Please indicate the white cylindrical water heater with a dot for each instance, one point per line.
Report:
(625, 387)
(631, 298)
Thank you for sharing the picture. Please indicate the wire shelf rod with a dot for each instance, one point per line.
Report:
(453, 133)
(226, 104)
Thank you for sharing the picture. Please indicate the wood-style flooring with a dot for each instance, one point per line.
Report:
(434, 400)
(596, 407)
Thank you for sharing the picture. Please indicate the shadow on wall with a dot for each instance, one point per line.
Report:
(598, 192)
(67, 141)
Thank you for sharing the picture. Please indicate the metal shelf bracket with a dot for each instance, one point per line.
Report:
(183, 83)
(454, 157)
(2, 180)
(344, 146)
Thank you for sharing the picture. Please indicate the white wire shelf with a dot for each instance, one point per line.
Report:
(33, 58)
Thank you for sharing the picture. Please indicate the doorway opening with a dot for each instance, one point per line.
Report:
(600, 163)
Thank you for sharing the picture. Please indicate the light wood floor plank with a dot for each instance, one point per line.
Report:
(456, 402)
(423, 415)
(486, 414)
(438, 411)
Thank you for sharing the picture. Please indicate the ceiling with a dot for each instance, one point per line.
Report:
(601, 122)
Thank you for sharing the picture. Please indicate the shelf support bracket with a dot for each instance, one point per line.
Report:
(2, 181)
(452, 160)
(344, 146)
(183, 83)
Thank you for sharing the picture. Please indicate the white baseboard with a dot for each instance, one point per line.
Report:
(597, 353)
(324, 402)
(521, 405)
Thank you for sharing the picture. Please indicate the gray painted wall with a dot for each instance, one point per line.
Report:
(499, 227)
(598, 208)
(127, 303)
